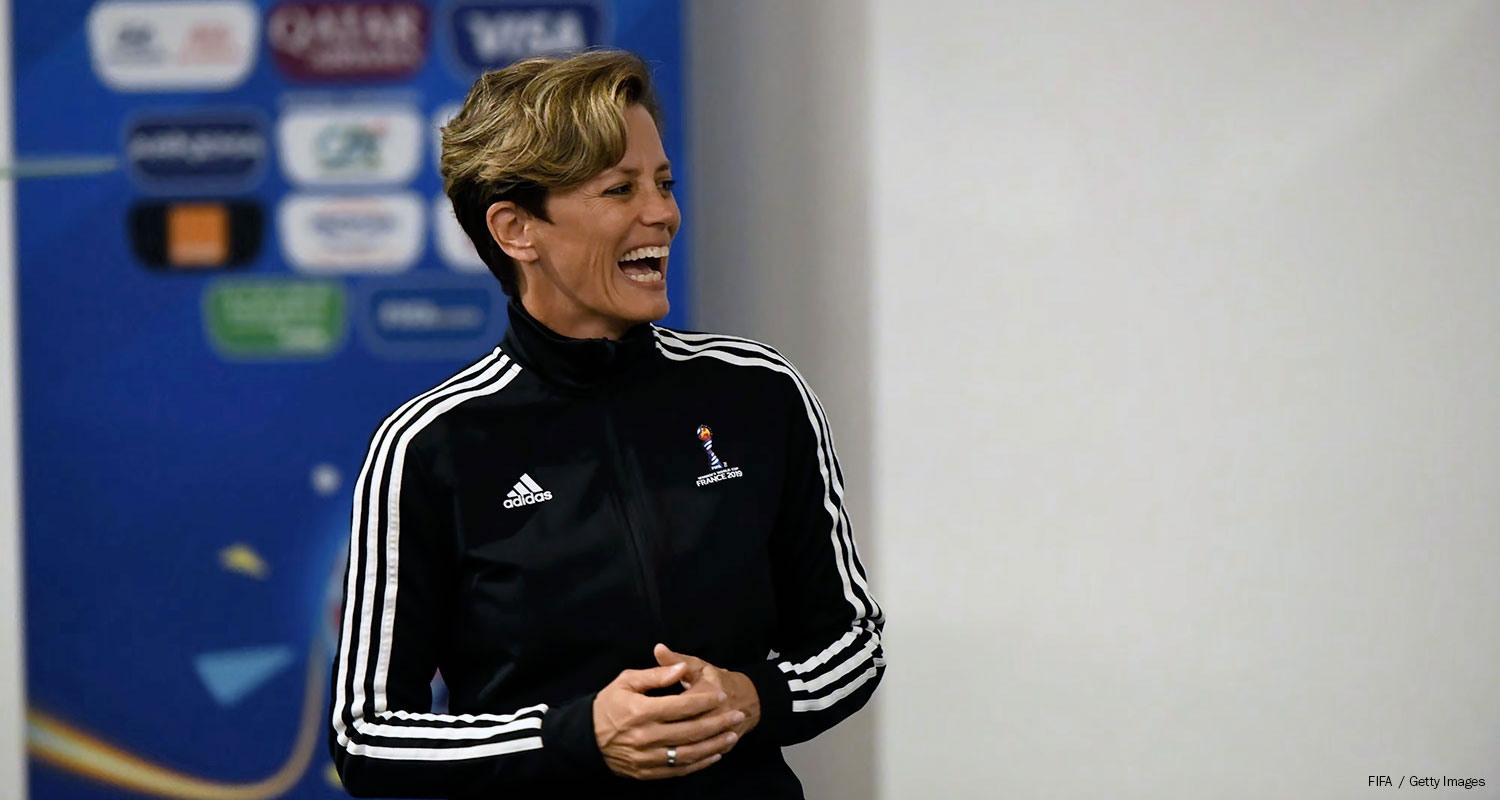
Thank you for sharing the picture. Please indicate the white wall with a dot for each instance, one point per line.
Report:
(779, 220)
(12, 703)
(1185, 359)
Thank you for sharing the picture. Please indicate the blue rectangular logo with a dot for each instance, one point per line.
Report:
(197, 154)
(489, 35)
(424, 317)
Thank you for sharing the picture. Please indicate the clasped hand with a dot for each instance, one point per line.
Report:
(635, 731)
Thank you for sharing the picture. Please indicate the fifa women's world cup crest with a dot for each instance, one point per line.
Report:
(706, 436)
(721, 471)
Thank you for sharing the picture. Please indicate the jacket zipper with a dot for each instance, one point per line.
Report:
(623, 497)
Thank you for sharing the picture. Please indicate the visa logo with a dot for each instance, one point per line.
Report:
(491, 35)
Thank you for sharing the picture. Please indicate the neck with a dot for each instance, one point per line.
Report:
(565, 317)
(573, 363)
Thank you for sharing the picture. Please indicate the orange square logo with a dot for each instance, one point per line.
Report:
(197, 234)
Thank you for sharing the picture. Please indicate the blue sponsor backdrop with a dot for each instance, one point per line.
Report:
(192, 428)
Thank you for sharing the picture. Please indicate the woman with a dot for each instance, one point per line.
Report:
(601, 510)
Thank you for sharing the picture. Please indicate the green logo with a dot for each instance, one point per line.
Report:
(274, 318)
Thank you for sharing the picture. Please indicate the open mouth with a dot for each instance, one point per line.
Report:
(645, 264)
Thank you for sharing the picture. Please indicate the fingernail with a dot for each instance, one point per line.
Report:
(734, 737)
(723, 697)
(739, 716)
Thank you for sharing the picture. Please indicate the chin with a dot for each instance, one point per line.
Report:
(644, 310)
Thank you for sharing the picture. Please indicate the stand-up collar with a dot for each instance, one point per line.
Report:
(575, 363)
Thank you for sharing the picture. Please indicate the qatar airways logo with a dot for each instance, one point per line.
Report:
(487, 35)
(333, 41)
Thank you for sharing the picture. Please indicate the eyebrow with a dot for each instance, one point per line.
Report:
(632, 171)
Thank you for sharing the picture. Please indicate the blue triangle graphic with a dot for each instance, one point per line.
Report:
(232, 674)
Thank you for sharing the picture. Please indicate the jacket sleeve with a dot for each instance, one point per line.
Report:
(384, 741)
(830, 658)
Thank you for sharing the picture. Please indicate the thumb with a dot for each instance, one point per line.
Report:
(641, 680)
(665, 656)
(693, 666)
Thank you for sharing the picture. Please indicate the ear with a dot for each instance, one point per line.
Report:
(508, 225)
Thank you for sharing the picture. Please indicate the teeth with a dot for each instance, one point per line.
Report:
(646, 252)
(649, 277)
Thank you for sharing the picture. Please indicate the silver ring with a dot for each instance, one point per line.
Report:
(671, 756)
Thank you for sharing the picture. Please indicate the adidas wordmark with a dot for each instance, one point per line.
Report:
(526, 492)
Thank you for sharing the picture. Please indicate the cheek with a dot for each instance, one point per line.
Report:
(586, 264)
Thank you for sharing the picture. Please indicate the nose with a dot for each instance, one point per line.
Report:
(659, 209)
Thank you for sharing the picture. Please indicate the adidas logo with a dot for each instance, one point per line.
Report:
(526, 492)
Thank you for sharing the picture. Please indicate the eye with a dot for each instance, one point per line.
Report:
(622, 189)
(666, 185)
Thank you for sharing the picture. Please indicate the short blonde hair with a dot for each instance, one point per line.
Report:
(534, 126)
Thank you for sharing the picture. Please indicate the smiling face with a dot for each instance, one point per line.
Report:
(599, 266)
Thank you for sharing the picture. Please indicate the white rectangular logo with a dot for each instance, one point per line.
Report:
(440, 118)
(455, 246)
(195, 45)
(350, 145)
(382, 233)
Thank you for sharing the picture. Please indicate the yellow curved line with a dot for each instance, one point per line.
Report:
(70, 749)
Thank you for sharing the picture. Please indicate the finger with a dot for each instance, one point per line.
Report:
(681, 706)
(693, 731)
(641, 680)
(666, 655)
(658, 773)
(695, 666)
(689, 756)
(699, 751)
(710, 678)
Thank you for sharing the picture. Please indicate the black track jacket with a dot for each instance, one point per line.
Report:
(536, 523)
